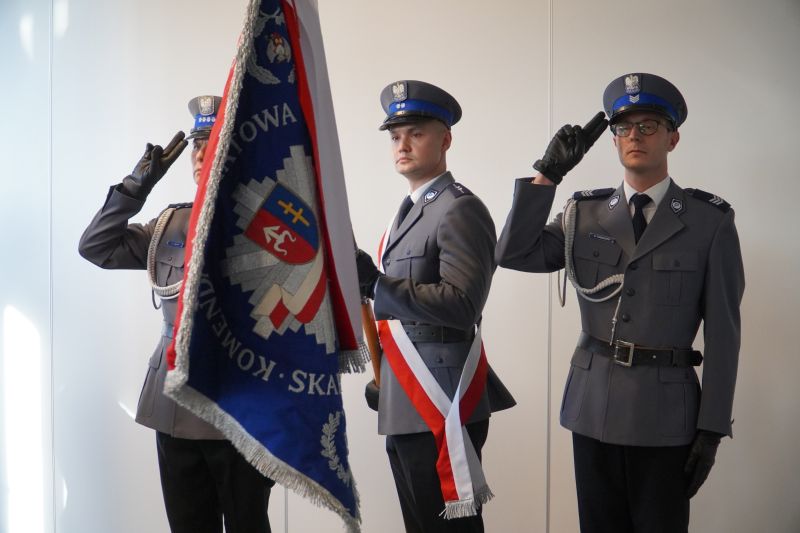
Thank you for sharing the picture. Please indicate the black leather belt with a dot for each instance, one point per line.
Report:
(166, 330)
(628, 354)
(422, 333)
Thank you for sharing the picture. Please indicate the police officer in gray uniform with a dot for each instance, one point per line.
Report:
(438, 264)
(203, 478)
(650, 261)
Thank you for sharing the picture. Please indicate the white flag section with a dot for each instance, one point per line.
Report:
(269, 312)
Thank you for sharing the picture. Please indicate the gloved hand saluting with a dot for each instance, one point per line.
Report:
(368, 274)
(152, 166)
(701, 459)
(567, 147)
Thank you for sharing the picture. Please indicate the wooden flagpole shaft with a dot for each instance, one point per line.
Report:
(371, 335)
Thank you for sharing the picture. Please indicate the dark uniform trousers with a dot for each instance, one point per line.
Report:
(203, 477)
(628, 489)
(202, 480)
(413, 460)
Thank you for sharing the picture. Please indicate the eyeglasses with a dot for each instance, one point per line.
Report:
(646, 127)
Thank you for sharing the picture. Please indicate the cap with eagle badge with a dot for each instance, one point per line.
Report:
(204, 110)
(408, 101)
(644, 92)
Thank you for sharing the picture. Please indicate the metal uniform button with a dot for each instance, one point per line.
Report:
(633, 266)
(626, 317)
(595, 254)
(676, 263)
(630, 291)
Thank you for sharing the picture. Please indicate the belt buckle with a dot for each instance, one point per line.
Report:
(625, 360)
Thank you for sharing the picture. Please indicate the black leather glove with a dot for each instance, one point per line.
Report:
(567, 147)
(701, 459)
(368, 274)
(152, 166)
(372, 393)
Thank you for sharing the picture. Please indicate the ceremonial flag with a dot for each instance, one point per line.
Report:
(269, 313)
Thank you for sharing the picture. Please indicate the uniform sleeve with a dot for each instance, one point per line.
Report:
(527, 242)
(465, 239)
(724, 287)
(110, 241)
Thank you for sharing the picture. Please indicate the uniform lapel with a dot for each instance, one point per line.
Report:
(615, 218)
(665, 223)
(417, 211)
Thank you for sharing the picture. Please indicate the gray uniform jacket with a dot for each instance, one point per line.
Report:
(439, 265)
(686, 267)
(111, 242)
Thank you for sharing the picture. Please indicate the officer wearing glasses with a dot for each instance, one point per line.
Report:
(649, 261)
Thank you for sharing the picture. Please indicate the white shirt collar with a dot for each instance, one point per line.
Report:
(656, 192)
(422, 189)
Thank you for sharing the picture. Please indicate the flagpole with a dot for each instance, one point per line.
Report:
(371, 336)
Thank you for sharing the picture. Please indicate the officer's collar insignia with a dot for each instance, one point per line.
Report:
(632, 84)
(613, 202)
(399, 92)
(206, 105)
(430, 195)
(676, 206)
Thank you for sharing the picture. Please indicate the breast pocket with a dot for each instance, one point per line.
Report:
(595, 259)
(169, 261)
(408, 255)
(671, 271)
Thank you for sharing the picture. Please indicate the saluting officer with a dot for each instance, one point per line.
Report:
(203, 478)
(437, 262)
(649, 261)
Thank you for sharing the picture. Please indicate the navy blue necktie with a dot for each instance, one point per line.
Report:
(405, 207)
(639, 222)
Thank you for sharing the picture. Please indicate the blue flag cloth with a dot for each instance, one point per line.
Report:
(268, 313)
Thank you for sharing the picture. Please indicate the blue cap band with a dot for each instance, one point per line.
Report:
(646, 99)
(420, 106)
(204, 121)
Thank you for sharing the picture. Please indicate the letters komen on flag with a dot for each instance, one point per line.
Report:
(269, 312)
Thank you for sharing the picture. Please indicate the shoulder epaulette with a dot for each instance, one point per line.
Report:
(707, 197)
(183, 205)
(459, 190)
(593, 194)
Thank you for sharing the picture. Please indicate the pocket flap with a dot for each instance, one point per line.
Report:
(602, 251)
(412, 249)
(677, 261)
(582, 358)
(170, 252)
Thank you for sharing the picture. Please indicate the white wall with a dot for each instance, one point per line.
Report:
(96, 80)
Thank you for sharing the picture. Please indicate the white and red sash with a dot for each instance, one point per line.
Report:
(463, 484)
